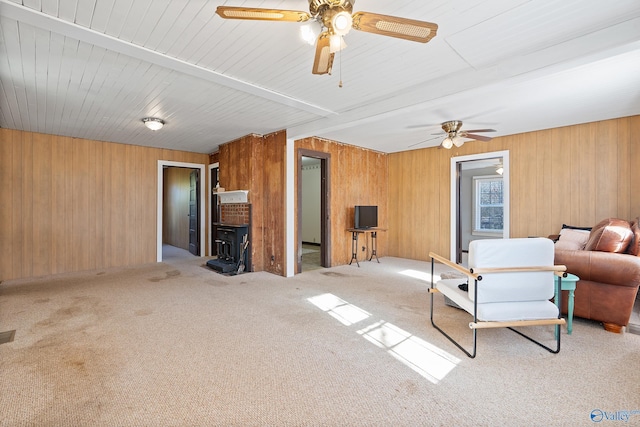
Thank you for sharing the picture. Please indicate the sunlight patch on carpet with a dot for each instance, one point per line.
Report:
(421, 275)
(345, 313)
(426, 359)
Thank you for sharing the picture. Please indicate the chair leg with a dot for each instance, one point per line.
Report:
(549, 349)
(471, 354)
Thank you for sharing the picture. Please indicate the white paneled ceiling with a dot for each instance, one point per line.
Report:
(94, 68)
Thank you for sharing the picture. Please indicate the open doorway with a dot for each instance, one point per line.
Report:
(314, 240)
(479, 200)
(180, 213)
(185, 219)
(214, 208)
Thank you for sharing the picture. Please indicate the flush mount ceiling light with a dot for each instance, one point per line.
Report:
(153, 123)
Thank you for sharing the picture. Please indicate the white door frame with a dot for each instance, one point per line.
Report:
(454, 193)
(203, 200)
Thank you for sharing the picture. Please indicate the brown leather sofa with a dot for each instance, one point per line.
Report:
(609, 270)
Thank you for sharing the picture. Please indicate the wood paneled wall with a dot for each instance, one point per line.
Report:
(357, 177)
(175, 218)
(573, 175)
(69, 204)
(257, 163)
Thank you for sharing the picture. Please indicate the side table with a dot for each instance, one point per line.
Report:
(568, 284)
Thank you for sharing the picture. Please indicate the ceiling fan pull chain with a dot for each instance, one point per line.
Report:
(340, 53)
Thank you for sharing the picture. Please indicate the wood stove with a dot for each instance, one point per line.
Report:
(229, 240)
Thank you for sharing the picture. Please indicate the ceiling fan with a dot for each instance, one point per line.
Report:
(454, 136)
(336, 19)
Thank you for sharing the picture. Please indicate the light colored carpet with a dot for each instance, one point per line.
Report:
(175, 344)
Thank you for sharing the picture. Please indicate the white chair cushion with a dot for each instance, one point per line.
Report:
(512, 287)
(508, 296)
(497, 311)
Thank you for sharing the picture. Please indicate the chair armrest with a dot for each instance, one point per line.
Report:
(558, 269)
(603, 267)
(453, 265)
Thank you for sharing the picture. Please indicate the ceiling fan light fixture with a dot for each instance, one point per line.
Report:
(309, 33)
(153, 123)
(447, 143)
(336, 43)
(457, 141)
(341, 23)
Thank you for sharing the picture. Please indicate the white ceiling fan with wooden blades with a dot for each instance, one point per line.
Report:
(337, 20)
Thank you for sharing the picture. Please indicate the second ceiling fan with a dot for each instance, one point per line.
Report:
(455, 135)
(337, 20)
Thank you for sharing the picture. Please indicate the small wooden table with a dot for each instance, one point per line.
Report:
(568, 284)
(354, 242)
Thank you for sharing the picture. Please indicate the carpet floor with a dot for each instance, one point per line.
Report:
(176, 344)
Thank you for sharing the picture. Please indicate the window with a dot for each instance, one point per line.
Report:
(488, 205)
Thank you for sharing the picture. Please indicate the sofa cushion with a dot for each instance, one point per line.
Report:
(610, 235)
(572, 239)
(634, 246)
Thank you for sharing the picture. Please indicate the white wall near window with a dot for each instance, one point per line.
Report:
(311, 203)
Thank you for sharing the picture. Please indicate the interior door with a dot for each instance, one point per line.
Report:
(194, 209)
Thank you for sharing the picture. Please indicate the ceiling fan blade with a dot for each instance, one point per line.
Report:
(403, 28)
(480, 130)
(323, 60)
(478, 137)
(229, 12)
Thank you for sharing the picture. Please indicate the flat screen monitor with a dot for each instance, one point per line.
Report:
(366, 217)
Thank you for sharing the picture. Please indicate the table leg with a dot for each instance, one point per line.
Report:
(373, 246)
(354, 248)
(570, 313)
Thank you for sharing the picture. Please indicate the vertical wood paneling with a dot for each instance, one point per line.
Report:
(96, 203)
(623, 172)
(271, 166)
(257, 164)
(545, 183)
(7, 184)
(574, 175)
(560, 144)
(41, 199)
(634, 165)
(584, 184)
(73, 204)
(606, 167)
(574, 196)
(80, 210)
(354, 180)
(24, 216)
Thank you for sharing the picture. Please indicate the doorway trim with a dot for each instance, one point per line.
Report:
(210, 168)
(325, 210)
(455, 161)
(203, 181)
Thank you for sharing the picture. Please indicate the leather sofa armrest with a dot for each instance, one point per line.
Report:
(603, 267)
